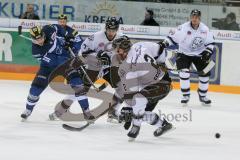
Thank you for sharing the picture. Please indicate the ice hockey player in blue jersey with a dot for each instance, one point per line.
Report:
(74, 41)
(50, 46)
(72, 35)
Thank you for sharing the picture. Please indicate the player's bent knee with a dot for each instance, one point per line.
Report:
(80, 90)
(40, 81)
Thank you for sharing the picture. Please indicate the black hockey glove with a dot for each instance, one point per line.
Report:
(162, 45)
(126, 116)
(69, 39)
(206, 55)
(104, 58)
(127, 125)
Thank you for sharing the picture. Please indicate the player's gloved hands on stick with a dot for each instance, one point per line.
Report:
(104, 58)
(206, 55)
(69, 39)
(162, 46)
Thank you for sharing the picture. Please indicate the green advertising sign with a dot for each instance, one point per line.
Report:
(15, 50)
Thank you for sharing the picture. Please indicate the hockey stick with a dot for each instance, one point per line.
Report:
(207, 69)
(103, 86)
(20, 34)
(72, 128)
(85, 73)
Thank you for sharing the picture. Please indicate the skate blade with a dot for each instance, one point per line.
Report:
(53, 120)
(130, 139)
(206, 105)
(90, 121)
(170, 130)
(184, 104)
(23, 120)
(50, 118)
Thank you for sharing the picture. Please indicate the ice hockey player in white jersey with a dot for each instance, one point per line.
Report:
(96, 49)
(196, 45)
(142, 83)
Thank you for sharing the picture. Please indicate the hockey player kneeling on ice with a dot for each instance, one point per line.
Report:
(50, 46)
(196, 45)
(142, 84)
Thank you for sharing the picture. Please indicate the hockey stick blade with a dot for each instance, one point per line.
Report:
(71, 128)
(209, 67)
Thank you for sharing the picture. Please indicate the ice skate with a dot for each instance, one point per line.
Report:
(204, 100)
(53, 116)
(133, 133)
(26, 114)
(185, 100)
(88, 117)
(166, 126)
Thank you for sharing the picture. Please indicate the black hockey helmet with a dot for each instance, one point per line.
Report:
(62, 16)
(36, 32)
(112, 23)
(195, 12)
(122, 42)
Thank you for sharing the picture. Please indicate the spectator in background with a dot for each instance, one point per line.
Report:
(231, 23)
(227, 23)
(149, 21)
(29, 14)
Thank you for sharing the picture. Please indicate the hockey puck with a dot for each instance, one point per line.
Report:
(217, 135)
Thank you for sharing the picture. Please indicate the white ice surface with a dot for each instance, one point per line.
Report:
(40, 139)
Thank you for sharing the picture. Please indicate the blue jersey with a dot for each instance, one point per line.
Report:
(76, 44)
(53, 46)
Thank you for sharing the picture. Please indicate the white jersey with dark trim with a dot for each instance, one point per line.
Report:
(152, 49)
(139, 69)
(98, 42)
(192, 42)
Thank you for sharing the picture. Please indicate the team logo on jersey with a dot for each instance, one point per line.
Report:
(189, 33)
(197, 43)
(101, 44)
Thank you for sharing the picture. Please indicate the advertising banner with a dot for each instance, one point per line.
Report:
(98, 11)
(16, 54)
